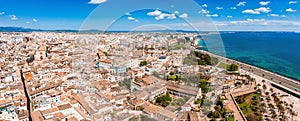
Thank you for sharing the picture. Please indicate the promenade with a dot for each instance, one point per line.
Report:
(238, 115)
(240, 93)
(287, 83)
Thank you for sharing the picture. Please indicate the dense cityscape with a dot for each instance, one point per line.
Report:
(133, 76)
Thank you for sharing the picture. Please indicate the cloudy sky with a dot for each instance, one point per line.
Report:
(254, 15)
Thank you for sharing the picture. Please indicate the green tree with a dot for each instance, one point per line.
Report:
(204, 85)
(198, 101)
(252, 117)
(164, 100)
(216, 114)
(172, 77)
(126, 83)
(127, 69)
(145, 118)
(135, 118)
(143, 63)
(264, 87)
(233, 67)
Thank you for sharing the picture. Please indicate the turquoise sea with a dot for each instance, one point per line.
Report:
(278, 52)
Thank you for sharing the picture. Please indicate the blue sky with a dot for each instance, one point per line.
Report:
(255, 15)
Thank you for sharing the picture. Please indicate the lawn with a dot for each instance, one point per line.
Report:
(178, 101)
(246, 105)
(190, 61)
(177, 47)
(231, 67)
(230, 119)
(223, 65)
(250, 104)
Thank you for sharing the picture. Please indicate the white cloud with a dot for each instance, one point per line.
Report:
(220, 24)
(184, 15)
(204, 5)
(171, 16)
(131, 18)
(274, 15)
(263, 9)
(283, 15)
(263, 3)
(250, 21)
(293, 2)
(27, 22)
(13, 17)
(154, 13)
(97, 1)
(233, 8)
(290, 10)
(257, 10)
(127, 14)
(34, 20)
(229, 16)
(203, 11)
(212, 15)
(219, 8)
(250, 11)
(248, 24)
(262, 22)
(1, 13)
(256, 25)
(163, 15)
(243, 3)
(160, 16)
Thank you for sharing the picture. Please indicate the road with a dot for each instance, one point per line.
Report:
(290, 84)
(27, 96)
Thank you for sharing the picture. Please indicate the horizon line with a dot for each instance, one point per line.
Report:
(24, 29)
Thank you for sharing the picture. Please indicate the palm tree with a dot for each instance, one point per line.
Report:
(284, 118)
(267, 93)
(290, 111)
(258, 85)
(259, 91)
(252, 80)
(255, 88)
(264, 87)
(274, 115)
(294, 114)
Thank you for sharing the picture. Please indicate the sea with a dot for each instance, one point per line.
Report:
(278, 52)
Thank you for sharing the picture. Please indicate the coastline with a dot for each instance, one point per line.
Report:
(289, 77)
(289, 99)
(278, 79)
(265, 50)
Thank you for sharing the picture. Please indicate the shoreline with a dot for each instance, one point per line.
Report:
(274, 77)
(260, 67)
(289, 77)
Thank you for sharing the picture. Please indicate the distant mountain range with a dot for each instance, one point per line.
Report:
(21, 29)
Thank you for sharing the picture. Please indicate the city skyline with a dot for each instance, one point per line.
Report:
(237, 15)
